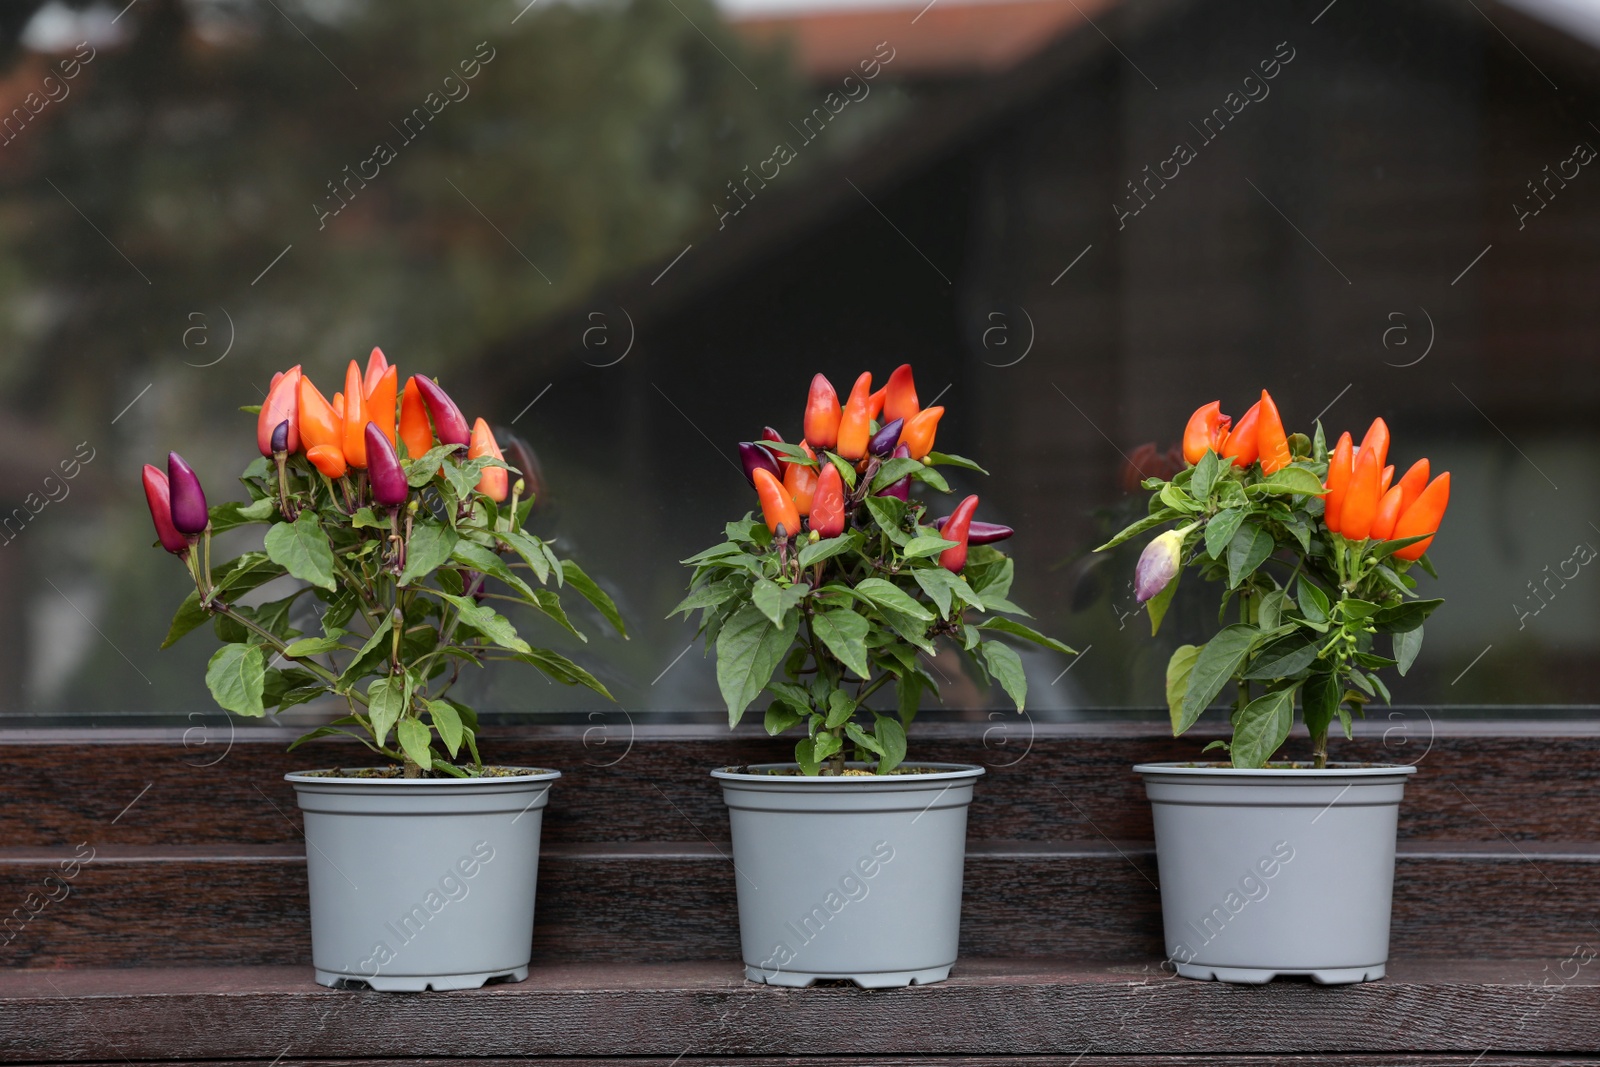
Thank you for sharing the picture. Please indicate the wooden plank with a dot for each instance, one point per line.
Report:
(1045, 780)
(988, 1007)
(671, 902)
(1089, 1060)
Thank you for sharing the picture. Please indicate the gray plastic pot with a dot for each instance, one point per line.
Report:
(423, 882)
(849, 877)
(1277, 871)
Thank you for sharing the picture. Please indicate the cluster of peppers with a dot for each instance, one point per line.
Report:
(868, 428)
(1362, 503)
(1259, 436)
(359, 430)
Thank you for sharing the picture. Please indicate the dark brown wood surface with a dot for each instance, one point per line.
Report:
(1476, 781)
(988, 1007)
(1092, 1059)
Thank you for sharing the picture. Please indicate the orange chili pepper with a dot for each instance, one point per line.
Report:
(1242, 444)
(319, 425)
(855, 425)
(1413, 482)
(415, 432)
(495, 482)
(1207, 429)
(1386, 479)
(1377, 439)
(777, 506)
(1423, 517)
(329, 459)
(800, 481)
(379, 401)
(822, 414)
(1272, 444)
(827, 505)
(1341, 464)
(900, 395)
(919, 431)
(875, 402)
(1387, 515)
(338, 410)
(377, 364)
(354, 441)
(283, 400)
(1361, 498)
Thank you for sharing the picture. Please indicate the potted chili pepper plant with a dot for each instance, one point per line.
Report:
(849, 860)
(1317, 553)
(422, 870)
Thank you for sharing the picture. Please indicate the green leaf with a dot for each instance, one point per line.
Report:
(1407, 643)
(1027, 633)
(420, 471)
(889, 514)
(1388, 548)
(1355, 609)
(776, 601)
(1174, 496)
(862, 738)
(909, 696)
(781, 715)
(846, 469)
(1402, 618)
(1204, 477)
(826, 745)
(1006, 666)
(840, 708)
(1282, 658)
(370, 654)
(236, 676)
(561, 669)
(828, 548)
(189, 616)
(1314, 603)
(1263, 726)
(749, 648)
(314, 646)
(475, 557)
(945, 459)
(891, 737)
(416, 741)
(531, 549)
(887, 595)
(430, 546)
(1221, 528)
(712, 594)
(1320, 702)
(599, 598)
(1149, 522)
(364, 518)
(926, 545)
(1270, 611)
(448, 723)
(805, 755)
(1179, 668)
(1248, 549)
(1289, 480)
(1157, 605)
(487, 621)
(387, 699)
(301, 547)
(931, 478)
(791, 453)
(991, 577)
(891, 471)
(1218, 661)
(715, 552)
(844, 633)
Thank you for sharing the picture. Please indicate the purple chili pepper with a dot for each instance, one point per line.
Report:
(980, 533)
(384, 472)
(280, 437)
(189, 512)
(448, 423)
(900, 490)
(884, 441)
(754, 458)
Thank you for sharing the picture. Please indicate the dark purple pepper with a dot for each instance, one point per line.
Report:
(189, 512)
(754, 458)
(900, 490)
(884, 441)
(388, 480)
(449, 425)
(280, 437)
(980, 533)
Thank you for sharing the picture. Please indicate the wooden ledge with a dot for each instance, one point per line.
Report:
(988, 1007)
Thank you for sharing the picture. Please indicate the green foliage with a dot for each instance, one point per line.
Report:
(821, 625)
(397, 629)
(1309, 602)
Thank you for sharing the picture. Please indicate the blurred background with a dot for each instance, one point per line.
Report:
(630, 232)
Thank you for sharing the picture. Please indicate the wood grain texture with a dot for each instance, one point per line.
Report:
(988, 1007)
(675, 902)
(1044, 781)
(1320, 1060)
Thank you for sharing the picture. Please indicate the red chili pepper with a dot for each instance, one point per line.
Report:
(1207, 429)
(157, 495)
(354, 440)
(1377, 439)
(1361, 497)
(415, 433)
(495, 482)
(1387, 515)
(1242, 444)
(822, 414)
(387, 477)
(319, 425)
(1272, 444)
(855, 425)
(800, 481)
(1423, 517)
(875, 402)
(827, 503)
(380, 400)
(1412, 483)
(979, 533)
(187, 499)
(769, 434)
(377, 364)
(1341, 464)
(777, 506)
(920, 431)
(329, 459)
(900, 395)
(957, 530)
(283, 402)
